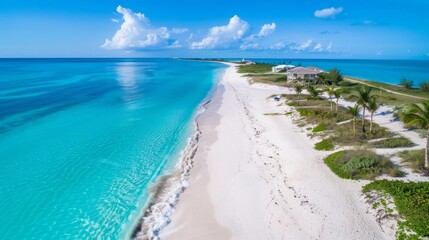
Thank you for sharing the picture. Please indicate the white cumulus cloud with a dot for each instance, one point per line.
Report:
(303, 46)
(179, 30)
(318, 47)
(329, 47)
(278, 46)
(267, 29)
(328, 12)
(249, 46)
(136, 32)
(310, 46)
(223, 37)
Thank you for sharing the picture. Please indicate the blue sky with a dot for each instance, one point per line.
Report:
(370, 29)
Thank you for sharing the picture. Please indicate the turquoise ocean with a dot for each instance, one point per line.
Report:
(81, 140)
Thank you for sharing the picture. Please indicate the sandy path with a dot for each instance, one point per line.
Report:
(258, 177)
(387, 90)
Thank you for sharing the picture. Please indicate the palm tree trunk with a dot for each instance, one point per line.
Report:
(336, 110)
(298, 99)
(354, 125)
(370, 125)
(330, 99)
(427, 151)
(363, 120)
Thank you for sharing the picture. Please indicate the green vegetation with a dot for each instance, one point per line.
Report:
(354, 111)
(333, 77)
(298, 90)
(255, 68)
(272, 78)
(412, 202)
(343, 136)
(360, 164)
(390, 94)
(408, 84)
(417, 115)
(320, 128)
(363, 97)
(313, 91)
(372, 105)
(424, 86)
(393, 143)
(414, 159)
(324, 145)
(316, 115)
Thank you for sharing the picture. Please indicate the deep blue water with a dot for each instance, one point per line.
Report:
(81, 139)
(386, 71)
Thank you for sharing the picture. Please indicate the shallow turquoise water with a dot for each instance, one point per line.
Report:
(80, 140)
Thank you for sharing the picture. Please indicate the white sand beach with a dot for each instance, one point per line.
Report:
(258, 177)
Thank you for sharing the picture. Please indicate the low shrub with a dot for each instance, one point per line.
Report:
(292, 104)
(424, 86)
(320, 128)
(315, 115)
(408, 84)
(344, 135)
(412, 202)
(324, 145)
(413, 159)
(360, 164)
(255, 68)
(393, 143)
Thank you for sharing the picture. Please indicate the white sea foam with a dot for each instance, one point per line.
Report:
(169, 187)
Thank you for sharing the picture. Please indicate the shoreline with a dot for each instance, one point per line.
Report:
(259, 190)
(167, 188)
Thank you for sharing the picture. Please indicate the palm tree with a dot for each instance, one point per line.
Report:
(331, 92)
(363, 97)
(298, 89)
(334, 76)
(313, 91)
(321, 78)
(337, 94)
(354, 111)
(418, 115)
(372, 106)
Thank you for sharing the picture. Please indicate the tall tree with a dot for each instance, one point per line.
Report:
(363, 97)
(418, 115)
(298, 89)
(321, 78)
(372, 106)
(313, 91)
(335, 77)
(331, 92)
(354, 111)
(337, 94)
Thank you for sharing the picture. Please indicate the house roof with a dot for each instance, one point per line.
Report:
(281, 66)
(295, 70)
(307, 70)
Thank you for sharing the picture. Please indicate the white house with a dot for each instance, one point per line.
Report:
(282, 67)
(309, 73)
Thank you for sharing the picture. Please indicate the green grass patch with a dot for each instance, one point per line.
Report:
(316, 115)
(324, 145)
(273, 114)
(413, 159)
(412, 202)
(344, 134)
(393, 143)
(255, 68)
(320, 127)
(360, 164)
